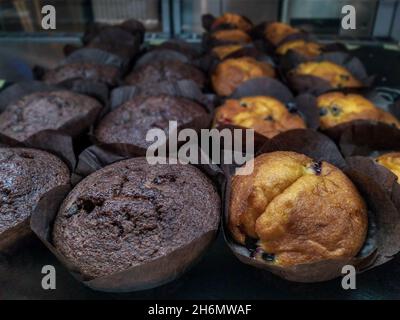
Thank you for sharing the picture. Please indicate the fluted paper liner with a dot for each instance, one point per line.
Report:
(384, 222)
(147, 275)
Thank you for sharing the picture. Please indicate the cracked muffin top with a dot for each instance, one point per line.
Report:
(391, 161)
(164, 71)
(230, 73)
(266, 115)
(234, 20)
(336, 75)
(87, 71)
(25, 176)
(130, 213)
(277, 31)
(62, 110)
(130, 122)
(305, 48)
(297, 210)
(337, 107)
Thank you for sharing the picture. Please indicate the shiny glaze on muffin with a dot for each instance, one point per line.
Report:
(336, 108)
(297, 211)
(266, 115)
(230, 73)
(336, 75)
(305, 48)
(391, 161)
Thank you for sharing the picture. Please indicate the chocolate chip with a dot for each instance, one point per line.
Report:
(164, 179)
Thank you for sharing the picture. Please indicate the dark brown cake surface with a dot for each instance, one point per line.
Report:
(130, 122)
(130, 212)
(89, 71)
(56, 110)
(165, 71)
(26, 175)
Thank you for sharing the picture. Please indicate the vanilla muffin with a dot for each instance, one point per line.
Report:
(276, 32)
(232, 20)
(336, 108)
(266, 115)
(305, 48)
(223, 51)
(231, 36)
(299, 211)
(336, 75)
(391, 161)
(230, 73)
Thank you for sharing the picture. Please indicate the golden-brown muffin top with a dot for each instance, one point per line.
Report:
(336, 75)
(230, 73)
(233, 19)
(300, 211)
(305, 48)
(337, 107)
(232, 35)
(223, 51)
(266, 115)
(275, 32)
(391, 161)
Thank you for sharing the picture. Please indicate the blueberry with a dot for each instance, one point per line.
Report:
(335, 110)
(344, 77)
(317, 167)
(268, 256)
(323, 111)
(269, 118)
(292, 107)
(243, 104)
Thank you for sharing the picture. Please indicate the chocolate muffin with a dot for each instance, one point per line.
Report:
(336, 108)
(116, 41)
(88, 71)
(297, 210)
(149, 75)
(335, 75)
(64, 111)
(230, 73)
(390, 161)
(25, 176)
(266, 115)
(130, 122)
(130, 213)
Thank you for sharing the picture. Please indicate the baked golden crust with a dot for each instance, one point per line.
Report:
(305, 48)
(336, 108)
(232, 19)
(222, 51)
(232, 35)
(391, 161)
(336, 75)
(266, 115)
(299, 210)
(275, 32)
(230, 73)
